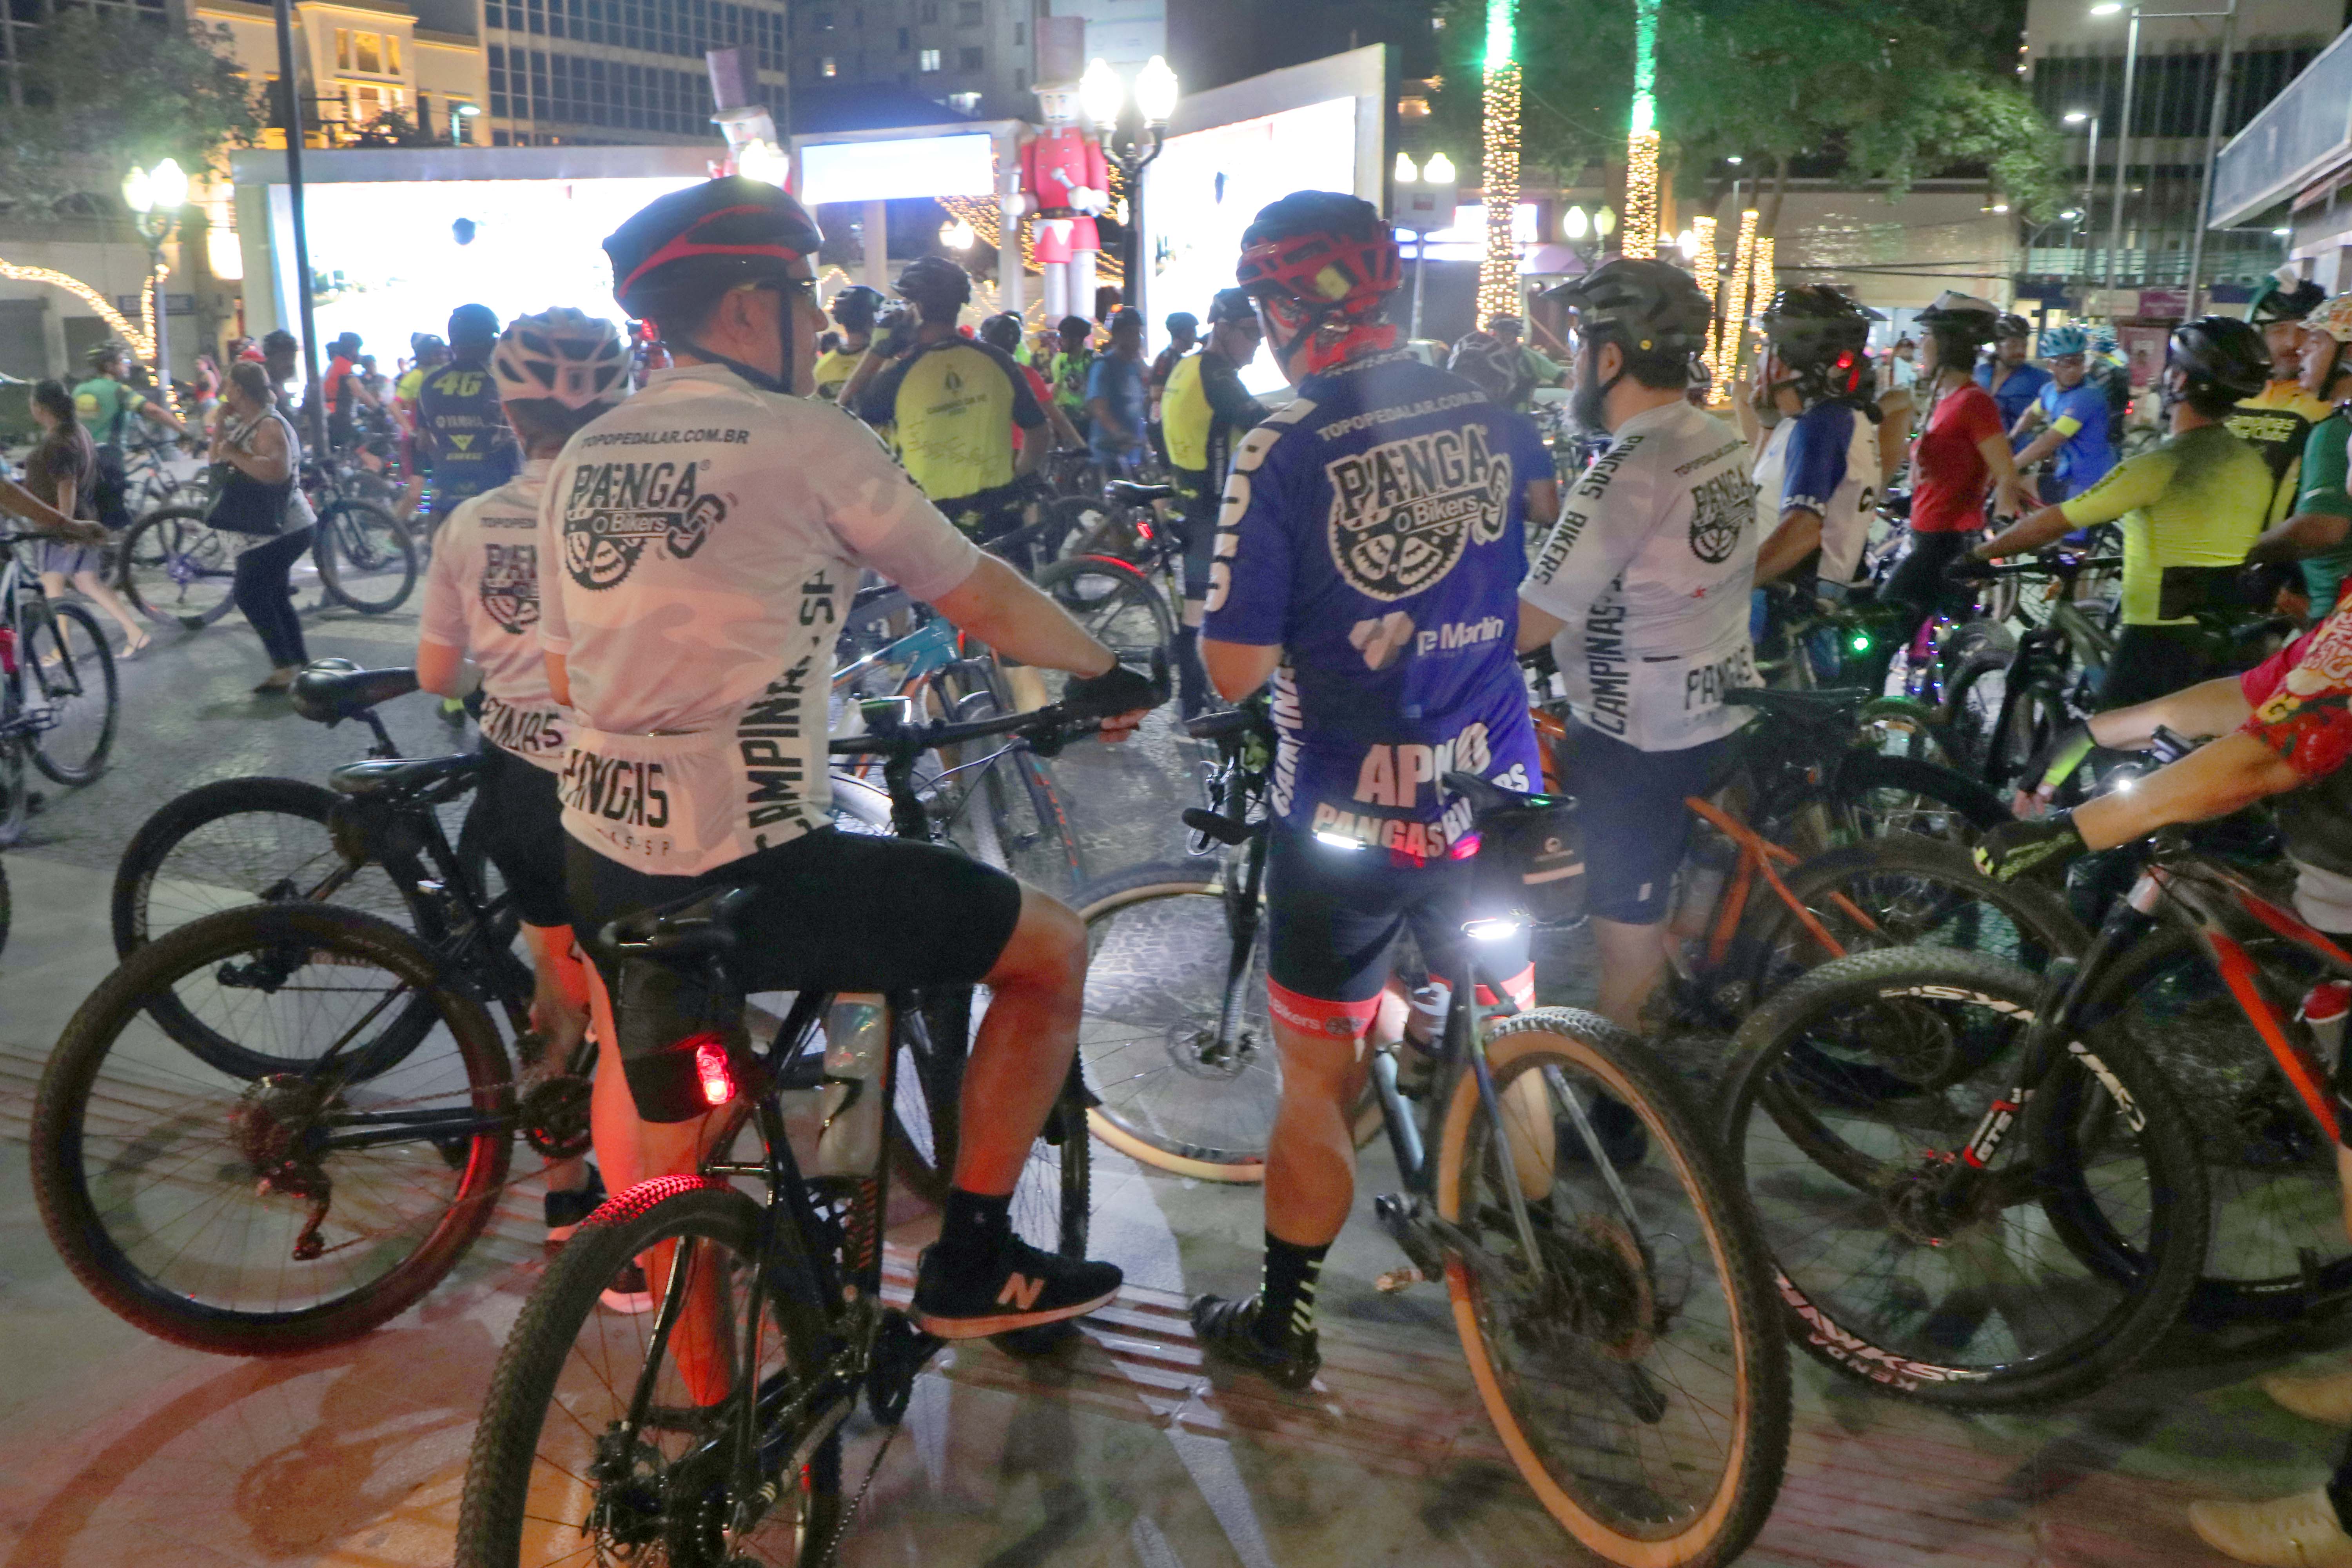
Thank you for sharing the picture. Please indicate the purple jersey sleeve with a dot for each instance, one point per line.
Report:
(1816, 459)
(1250, 578)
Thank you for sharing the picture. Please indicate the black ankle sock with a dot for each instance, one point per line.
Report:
(973, 1226)
(1191, 676)
(1288, 1296)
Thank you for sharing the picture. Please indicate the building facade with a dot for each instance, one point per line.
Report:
(362, 62)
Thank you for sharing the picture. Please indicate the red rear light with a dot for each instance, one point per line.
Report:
(1142, 528)
(712, 1071)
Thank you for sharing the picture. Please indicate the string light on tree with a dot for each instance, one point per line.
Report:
(1735, 303)
(142, 344)
(1765, 279)
(1703, 266)
(1642, 136)
(1499, 266)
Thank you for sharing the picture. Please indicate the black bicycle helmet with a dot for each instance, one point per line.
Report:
(1182, 321)
(1488, 364)
(1962, 319)
(686, 249)
(2221, 353)
(1232, 305)
(933, 283)
(422, 344)
(473, 326)
(2284, 297)
(854, 306)
(1823, 336)
(2012, 325)
(1646, 307)
(1001, 331)
(106, 353)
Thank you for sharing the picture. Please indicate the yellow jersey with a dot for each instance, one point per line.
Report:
(2200, 499)
(2277, 422)
(834, 369)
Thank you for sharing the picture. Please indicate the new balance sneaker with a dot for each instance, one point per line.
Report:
(566, 1211)
(1228, 1332)
(629, 1293)
(1020, 1288)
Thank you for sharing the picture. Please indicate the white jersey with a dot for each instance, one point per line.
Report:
(1824, 460)
(1650, 565)
(698, 547)
(481, 596)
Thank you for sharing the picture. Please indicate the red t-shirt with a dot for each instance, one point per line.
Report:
(1949, 493)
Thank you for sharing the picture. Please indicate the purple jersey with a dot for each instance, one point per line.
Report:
(1374, 529)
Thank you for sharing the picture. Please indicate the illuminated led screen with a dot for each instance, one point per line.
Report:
(898, 168)
(1208, 184)
(391, 259)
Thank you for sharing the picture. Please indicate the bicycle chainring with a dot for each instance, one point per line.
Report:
(900, 1351)
(555, 1116)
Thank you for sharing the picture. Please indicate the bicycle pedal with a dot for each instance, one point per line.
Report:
(1398, 1279)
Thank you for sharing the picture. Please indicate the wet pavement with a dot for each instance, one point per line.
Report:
(114, 1447)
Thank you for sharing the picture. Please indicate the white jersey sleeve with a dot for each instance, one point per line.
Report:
(442, 616)
(886, 524)
(482, 596)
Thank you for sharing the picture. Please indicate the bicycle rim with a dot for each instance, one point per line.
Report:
(177, 570)
(562, 1473)
(1116, 605)
(73, 672)
(15, 783)
(183, 1196)
(1640, 1382)
(366, 560)
(1170, 1092)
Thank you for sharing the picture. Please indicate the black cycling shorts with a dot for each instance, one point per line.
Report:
(1332, 915)
(1197, 506)
(836, 911)
(2150, 662)
(1637, 826)
(519, 821)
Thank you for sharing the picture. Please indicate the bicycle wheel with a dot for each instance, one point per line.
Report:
(1854, 1095)
(177, 569)
(568, 1467)
(2278, 1219)
(5, 910)
(72, 677)
(1972, 704)
(16, 773)
(1114, 601)
(366, 560)
(1874, 795)
(1634, 1369)
(265, 1215)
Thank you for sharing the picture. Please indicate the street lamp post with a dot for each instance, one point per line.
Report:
(1101, 97)
(1426, 200)
(2229, 18)
(2090, 193)
(458, 114)
(154, 198)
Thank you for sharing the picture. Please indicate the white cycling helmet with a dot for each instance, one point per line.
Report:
(564, 356)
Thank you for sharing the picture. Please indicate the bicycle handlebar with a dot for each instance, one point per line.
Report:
(891, 735)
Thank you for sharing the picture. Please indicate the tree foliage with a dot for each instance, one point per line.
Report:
(1873, 89)
(102, 94)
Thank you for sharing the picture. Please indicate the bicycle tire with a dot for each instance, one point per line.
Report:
(1972, 703)
(15, 776)
(177, 569)
(2279, 1248)
(82, 659)
(1115, 601)
(1616, 1289)
(1150, 1112)
(1929, 1306)
(1877, 794)
(366, 560)
(159, 1100)
(530, 1379)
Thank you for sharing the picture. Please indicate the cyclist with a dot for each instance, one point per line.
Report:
(1205, 412)
(1183, 337)
(2008, 372)
(1073, 359)
(1003, 332)
(1535, 369)
(457, 413)
(853, 310)
(697, 547)
(478, 631)
(2322, 513)
(345, 387)
(2285, 730)
(104, 405)
(431, 353)
(1817, 479)
(954, 406)
(2189, 510)
(1492, 366)
(1118, 397)
(1642, 592)
(1366, 554)
(1962, 453)
(280, 353)
(2276, 419)
(2074, 413)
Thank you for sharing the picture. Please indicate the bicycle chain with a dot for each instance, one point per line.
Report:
(849, 1515)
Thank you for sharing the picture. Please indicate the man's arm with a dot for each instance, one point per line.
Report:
(2230, 775)
(1237, 669)
(1602, 526)
(15, 497)
(1538, 626)
(2043, 528)
(1542, 501)
(152, 408)
(2208, 709)
(2127, 485)
(1798, 535)
(2305, 533)
(1020, 621)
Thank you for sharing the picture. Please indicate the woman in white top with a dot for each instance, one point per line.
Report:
(257, 442)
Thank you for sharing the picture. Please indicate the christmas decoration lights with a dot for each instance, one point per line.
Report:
(1642, 136)
(1703, 266)
(1498, 267)
(1735, 304)
(142, 344)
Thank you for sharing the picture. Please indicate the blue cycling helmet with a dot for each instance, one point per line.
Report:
(2103, 341)
(2058, 341)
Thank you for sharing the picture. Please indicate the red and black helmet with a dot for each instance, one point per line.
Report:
(696, 244)
(1332, 254)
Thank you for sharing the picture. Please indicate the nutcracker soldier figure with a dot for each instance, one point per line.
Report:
(1066, 183)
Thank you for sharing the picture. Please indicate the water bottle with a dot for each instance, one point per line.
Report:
(2324, 1007)
(856, 1040)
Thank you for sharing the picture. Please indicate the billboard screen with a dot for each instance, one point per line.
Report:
(1205, 187)
(899, 167)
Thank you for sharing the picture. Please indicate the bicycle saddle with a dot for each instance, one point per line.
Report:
(700, 926)
(1127, 492)
(334, 689)
(400, 775)
(1486, 798)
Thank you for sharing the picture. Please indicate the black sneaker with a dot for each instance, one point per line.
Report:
(628, 1294)
(1021, 1287)
(1227, 1330)
(566, 1211)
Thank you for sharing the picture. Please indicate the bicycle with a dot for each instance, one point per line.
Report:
(1983, 1188)
(795, 1277)
(367, 558)
(58, 697)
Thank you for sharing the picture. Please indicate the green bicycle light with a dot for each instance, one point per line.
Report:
(1859, 642)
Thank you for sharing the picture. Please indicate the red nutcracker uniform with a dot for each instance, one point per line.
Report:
(1067, 183)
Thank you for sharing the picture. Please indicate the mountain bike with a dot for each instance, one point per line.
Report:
(711, 1425)
(177, 570)
(1122, 577)
(1987, 1188)
(367, 559)
(58, 699)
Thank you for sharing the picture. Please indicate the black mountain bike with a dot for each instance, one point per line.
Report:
(59, 702)
(707, 1431)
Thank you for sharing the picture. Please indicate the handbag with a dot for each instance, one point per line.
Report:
(243, 504)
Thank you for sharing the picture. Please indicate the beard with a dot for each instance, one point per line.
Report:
(1584, 402)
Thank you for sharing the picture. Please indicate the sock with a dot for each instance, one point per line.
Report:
(1287, 1298)
(1191, 676)
(973, 1227)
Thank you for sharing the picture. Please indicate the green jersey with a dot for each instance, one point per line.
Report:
(104, 406)
(2324, 494)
